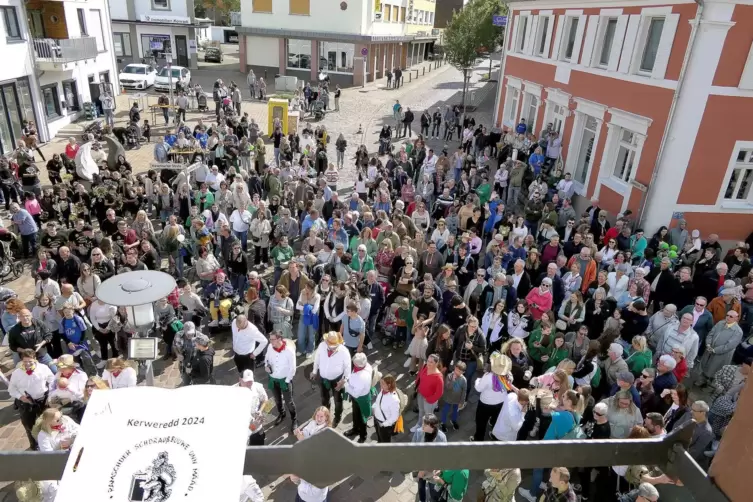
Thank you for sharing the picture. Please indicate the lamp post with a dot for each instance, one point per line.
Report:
(137, 291)
(169, 60)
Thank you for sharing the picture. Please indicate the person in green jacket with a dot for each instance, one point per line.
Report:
(639, 356)
(455, 482)
(538, 341)
(556, 352)
(203, 198)
(281, 255)
(638, 244)
(361, 262)
(484, 191)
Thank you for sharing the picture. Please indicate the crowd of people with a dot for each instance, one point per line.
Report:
(471, 261)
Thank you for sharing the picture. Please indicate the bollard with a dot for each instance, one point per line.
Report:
(424, 73)
(429, 67)
(410, 76)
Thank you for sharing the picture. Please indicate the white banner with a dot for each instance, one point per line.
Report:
(145, 443)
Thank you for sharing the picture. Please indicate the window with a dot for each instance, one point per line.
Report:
(530, 111)
(71, 95)
(543, 29)
(570, 40)
(402, 14)
(558, 115)
(51, 101)
(82, 22)
(387, 12)
(161, 4)
(336, 56)
(739, 185)
(586, 151)
(262, 6)
(299, 53)
(122, 44)
(652, 44)
(606, 45)
(395, 13)
(156, 46)
(626, 151)
(98, 30)
(521, 41)
(511, 105)
(300, 7)
(10, 18)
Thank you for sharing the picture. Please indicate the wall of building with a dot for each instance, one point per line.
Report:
(443, 12)
(146, 7)
(17, 56)
(263, 51)
(119, 10)
(328, 19)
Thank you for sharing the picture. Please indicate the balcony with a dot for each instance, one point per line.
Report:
(57, 54)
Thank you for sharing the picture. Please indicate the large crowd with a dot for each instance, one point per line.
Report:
(472, 261)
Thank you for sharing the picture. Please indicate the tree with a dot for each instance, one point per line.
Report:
(225, 7)
(470, 29)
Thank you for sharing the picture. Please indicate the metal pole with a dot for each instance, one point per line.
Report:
(170, 74)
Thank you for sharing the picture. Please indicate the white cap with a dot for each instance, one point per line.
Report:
(247, 376)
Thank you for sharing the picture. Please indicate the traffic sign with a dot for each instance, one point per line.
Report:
(499, 20)
(364, 51)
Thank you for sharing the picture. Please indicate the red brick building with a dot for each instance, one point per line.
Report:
(653, 101)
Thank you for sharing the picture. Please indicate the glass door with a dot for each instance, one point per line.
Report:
(6, 137)
(12, 113)
(586, 150)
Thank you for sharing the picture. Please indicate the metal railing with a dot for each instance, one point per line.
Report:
(304, 458)
(53, 50)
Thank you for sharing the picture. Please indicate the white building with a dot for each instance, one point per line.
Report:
(149, 29)
(353, 41)
(56, 57)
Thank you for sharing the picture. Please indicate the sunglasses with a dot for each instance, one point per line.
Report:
(644, 376)
(92, 386)
(700, 304)
(545, 286)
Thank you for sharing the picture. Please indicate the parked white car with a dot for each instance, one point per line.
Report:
(137, 76)
(164, 81)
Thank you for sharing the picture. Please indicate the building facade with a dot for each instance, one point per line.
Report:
(149, 29)
(444, 9)
(58, 56)
(652, 101)
(354, 41)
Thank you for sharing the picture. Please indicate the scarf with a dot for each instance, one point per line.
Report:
(282, 347)
(500, 383)
(357, 369)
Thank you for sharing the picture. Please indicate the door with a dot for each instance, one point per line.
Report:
(104, 77)
(181, 49)
(586, 150)
(36, 24)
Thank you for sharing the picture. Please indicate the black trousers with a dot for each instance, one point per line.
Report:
(407, 129)
(54, 347)
(257, 439)
(425, 129)
(106, 340)
(435, 129)
(484, 413)
(359, 424)
(29, 413)
(384, 434)
(244, 362)
(287, 395)
(338, 395)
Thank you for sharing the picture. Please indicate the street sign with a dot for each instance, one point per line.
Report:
(364, 51)
(499, 20)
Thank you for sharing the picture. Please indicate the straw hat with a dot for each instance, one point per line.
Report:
(65, 362)
(500, 364)
(333, 337)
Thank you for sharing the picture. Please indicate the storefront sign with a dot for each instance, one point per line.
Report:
(166, 19)
(192, 46)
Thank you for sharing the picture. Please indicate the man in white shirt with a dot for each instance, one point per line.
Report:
(201, 172)
(248, 343)
(29, 386)
(240, 219)
(332, 364)
(215, 178)
(256, 434)
(280, 364)
(308, 492)
(359, 386)
(47, 286)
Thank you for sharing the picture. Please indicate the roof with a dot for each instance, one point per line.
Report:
(140, 65)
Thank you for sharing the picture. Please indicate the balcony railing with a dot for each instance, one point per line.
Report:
(53, 50)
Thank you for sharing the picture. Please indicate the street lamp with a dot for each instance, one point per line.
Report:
(169, 61)
(137, 291)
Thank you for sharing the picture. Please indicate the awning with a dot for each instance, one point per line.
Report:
(321, 35)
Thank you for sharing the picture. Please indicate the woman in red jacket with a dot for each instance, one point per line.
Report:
(430, 385)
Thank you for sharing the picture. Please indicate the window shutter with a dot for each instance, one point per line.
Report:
(513, 43)
(534, 22)
(619, 37)
(665, 46)
(631, 35)
(588, 45)
(558, 36)
(579, 38)
(548, 41)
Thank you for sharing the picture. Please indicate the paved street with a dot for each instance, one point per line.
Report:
(365, 108)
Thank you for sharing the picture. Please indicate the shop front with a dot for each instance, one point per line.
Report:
(16, 105)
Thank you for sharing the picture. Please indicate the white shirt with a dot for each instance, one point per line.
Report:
(310, 493)
(248, 340)
(214, 180)
(616, 288)
(50, 287)
(312, 428)
(240, 220)
(359, 383)
(101, 314)
(36, 384)
(258, 397)
(282, 363)
(485, 387)
(201, 173)
(76, 383)
(50, 441)
(126, 378)
(332, 367)
(510, 419)
(386, 408)
(250, 491)
(516, 280)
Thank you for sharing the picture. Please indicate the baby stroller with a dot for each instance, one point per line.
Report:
(132, 135)
(202, 103)
(317, 109)
(385, 143)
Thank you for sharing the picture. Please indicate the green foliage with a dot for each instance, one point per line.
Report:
(470, 29)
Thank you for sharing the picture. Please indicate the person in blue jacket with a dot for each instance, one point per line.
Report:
(536, 160)
(563, 422)
(521, 128)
